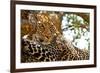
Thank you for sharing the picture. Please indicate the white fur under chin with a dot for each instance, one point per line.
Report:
(25, 36)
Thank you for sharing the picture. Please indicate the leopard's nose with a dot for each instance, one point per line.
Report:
(41, 40)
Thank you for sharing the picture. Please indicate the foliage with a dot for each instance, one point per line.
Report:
(78, 27)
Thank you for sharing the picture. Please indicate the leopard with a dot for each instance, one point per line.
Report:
(44, 42)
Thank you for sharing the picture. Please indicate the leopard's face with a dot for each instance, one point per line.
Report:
(44, 33)
(44, 28)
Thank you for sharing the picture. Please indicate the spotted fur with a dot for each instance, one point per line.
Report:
(38, 52)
